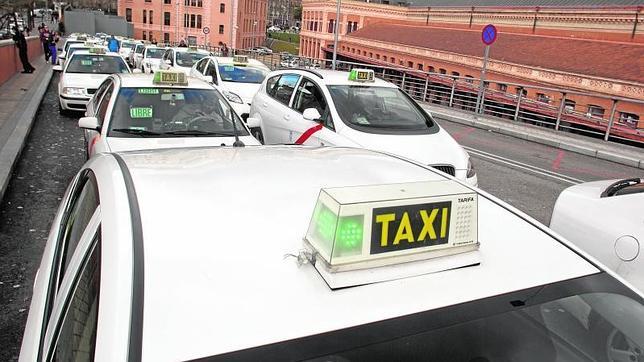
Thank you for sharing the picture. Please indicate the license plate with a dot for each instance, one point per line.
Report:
(410, 226)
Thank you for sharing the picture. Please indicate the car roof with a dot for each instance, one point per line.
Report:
(86, 51)
(187, 49)
(336, 77)
(145, 81)
(251, 62)
(218, 222)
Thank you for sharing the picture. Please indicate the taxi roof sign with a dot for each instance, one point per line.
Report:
(240, 59)
(364, 227)
(97, 50)
(362, 75)
(168, 77)
(192, 48)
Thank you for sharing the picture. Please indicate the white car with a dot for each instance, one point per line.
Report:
(74, 47)
(136, 112)
(82, 75)
(62, 52)
(182, 58)
(151, 60)
(223, 254)
(126, 48)
(332, 108)
(606, 220)
(136, 55)
(238, 78)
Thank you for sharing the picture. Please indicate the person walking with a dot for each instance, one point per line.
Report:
(44, 39)
(21, 43)
(113, 44)
(51, 42)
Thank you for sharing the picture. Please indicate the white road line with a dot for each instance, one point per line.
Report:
(524, 166)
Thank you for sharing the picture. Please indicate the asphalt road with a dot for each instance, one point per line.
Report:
(53, 155)
(527, 175)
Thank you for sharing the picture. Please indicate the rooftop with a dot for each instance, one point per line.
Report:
(609, 60)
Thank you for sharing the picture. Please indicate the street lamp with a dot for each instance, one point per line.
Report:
(335, 36)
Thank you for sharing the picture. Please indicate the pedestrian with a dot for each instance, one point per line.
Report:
(113, 44)
(224, 50)
(21, 44)
(51, 41)
(44, 39)
(182, 44)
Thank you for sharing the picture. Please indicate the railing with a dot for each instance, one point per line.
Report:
(565, 110)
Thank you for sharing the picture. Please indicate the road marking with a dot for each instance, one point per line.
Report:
(524, 166)
(557, 162)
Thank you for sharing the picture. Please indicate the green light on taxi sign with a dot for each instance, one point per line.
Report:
(361, 75)
(349, 235)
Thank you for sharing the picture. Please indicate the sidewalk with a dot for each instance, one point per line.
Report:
(20, 98)
(619, 153)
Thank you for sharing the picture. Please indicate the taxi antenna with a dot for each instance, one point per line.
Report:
(238, 142)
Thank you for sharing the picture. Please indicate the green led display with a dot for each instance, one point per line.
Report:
(325, 222)
(348, 236)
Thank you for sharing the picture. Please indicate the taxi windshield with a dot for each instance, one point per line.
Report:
(187, 59)
(70, 42)
(154, 53)
(370, 108)
(173, 112)
(241, 74)
(72, 50)
(128, 45)
(593, 318)
(96, 64)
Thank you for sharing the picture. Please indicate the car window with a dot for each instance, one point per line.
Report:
(309, 95)
(102, 106)
(172, 112)
(140, 49)
(284, 88)
(96, 64)
(201, 66)
(76, 340)
(211, 70)
(154, 53)
(241, 74)
(270, 85)
(188, 59)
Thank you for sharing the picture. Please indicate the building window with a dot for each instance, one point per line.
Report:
(151, 12)
(442, 71)
(377, 56)
(349, 27)
(543, 98)
(166, 37)
(569, 105)
(144, 38)
(199, 3)
(331, 25)
(167, 2)
(595, 111)
(393, 60)
(145, 16)
(502, 87)
(186, 20)
(431, 69)
(420, 66)
(199, 21)
(629, 119)
(221, 29)
(193, 21)
(128, 15)
(355, 25)
(456, 74)
(370, 55)
(148, 1)
(522, 91)
(410, 64)
(469, 79)
(166, 18)
(222, 8)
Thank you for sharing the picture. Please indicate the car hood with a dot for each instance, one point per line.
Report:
(245, 90)
(429, 149)
(83, 80)
(118, 144)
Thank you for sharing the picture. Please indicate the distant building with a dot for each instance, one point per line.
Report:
(237, 23)
(594, 46)
(280, 12)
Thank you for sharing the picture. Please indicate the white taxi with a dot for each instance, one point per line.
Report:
(83, 73)
(237, 77)
(151, 59)
(127, 47)
(606, 219)
(62, 52)
(164, 110)
(137, 55)
(181, 58)
(311, 254)
(332, 108)
(74, 47)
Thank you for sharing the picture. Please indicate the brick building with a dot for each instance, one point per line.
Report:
(237, 23)
(595, 49)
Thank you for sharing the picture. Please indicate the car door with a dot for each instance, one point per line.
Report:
(274, 108)
(321, 132)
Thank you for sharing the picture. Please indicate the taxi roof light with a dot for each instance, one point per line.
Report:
(169, 77)
(97, 50)
(240, 59)
(364, 227)
(362, 75)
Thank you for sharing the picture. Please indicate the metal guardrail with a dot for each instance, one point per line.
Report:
(559, 109)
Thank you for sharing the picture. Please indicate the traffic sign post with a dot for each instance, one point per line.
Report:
(206, 30)
(488, 36)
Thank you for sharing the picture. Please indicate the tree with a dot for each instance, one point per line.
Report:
(297, 12)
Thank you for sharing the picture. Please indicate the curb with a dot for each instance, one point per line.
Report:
(10, 151)
(604, 155)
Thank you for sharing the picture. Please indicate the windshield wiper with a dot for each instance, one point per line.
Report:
(140, 132)
(196, 132)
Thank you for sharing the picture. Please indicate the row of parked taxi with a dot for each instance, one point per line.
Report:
(356, 233)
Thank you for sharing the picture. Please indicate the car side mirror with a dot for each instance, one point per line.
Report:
(57, 68)
(252, 122)
(90, 123)
(311, 114)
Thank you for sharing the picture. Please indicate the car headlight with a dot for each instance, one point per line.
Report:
(73, 91)
(233, 97)
(470, 169)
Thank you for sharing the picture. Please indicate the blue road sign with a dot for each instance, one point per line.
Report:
(489, 34)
